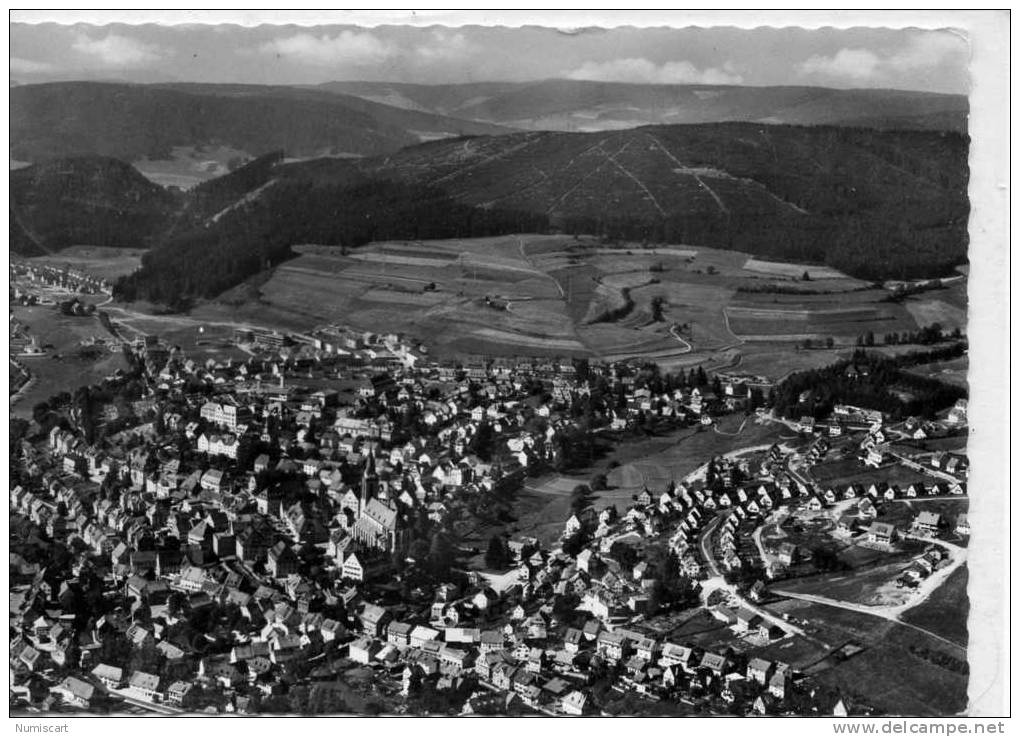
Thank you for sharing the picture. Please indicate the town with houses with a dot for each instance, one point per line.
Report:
(326, 527)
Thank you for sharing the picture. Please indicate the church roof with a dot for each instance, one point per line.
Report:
(384, 515)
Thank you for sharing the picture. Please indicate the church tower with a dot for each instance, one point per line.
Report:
(369, 481)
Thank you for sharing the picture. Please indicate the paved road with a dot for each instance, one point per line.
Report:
(164, 709)
(717, 581)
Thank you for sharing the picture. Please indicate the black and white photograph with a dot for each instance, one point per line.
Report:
(437, 364)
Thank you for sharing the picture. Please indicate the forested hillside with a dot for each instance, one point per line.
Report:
(876, 205)
(89, 200)
(209, 258)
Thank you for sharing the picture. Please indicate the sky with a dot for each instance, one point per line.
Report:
(910, 59)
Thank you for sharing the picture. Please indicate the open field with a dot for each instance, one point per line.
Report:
(101, 261)
(951, 372)
(945, 612)
(189, 166)
(930, 311)
(62, 367)
(868, 586)
(795, 271)
(660, 466)
(767, 359)
(875, 675)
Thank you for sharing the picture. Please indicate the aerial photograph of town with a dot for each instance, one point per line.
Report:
(428, 370)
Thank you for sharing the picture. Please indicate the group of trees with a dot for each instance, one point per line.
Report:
(811, 343)
(656, 305)
(927, 335)
(877, 383)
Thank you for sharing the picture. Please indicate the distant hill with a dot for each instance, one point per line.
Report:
(89, 200)
(575, 105)
(130, 122)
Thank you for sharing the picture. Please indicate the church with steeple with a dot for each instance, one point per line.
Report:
(369, 481)
(379, 525)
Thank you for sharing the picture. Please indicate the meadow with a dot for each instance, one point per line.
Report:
(188, 166)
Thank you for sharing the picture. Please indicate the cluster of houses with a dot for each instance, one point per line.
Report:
(877, 493)
(68, 279)
(225, 483)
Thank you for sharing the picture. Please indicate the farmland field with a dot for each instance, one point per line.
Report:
(538, 295)
(842, 319)
(558, 296)
(930, 311)
(796, 271)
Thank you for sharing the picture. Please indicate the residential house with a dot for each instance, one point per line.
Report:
(75, 691)
(363, 650)
(881, 533)
(144, 686)
(109, 675)
(928, 523)
(760, 670)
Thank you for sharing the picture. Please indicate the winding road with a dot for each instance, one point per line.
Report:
(687, 346)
